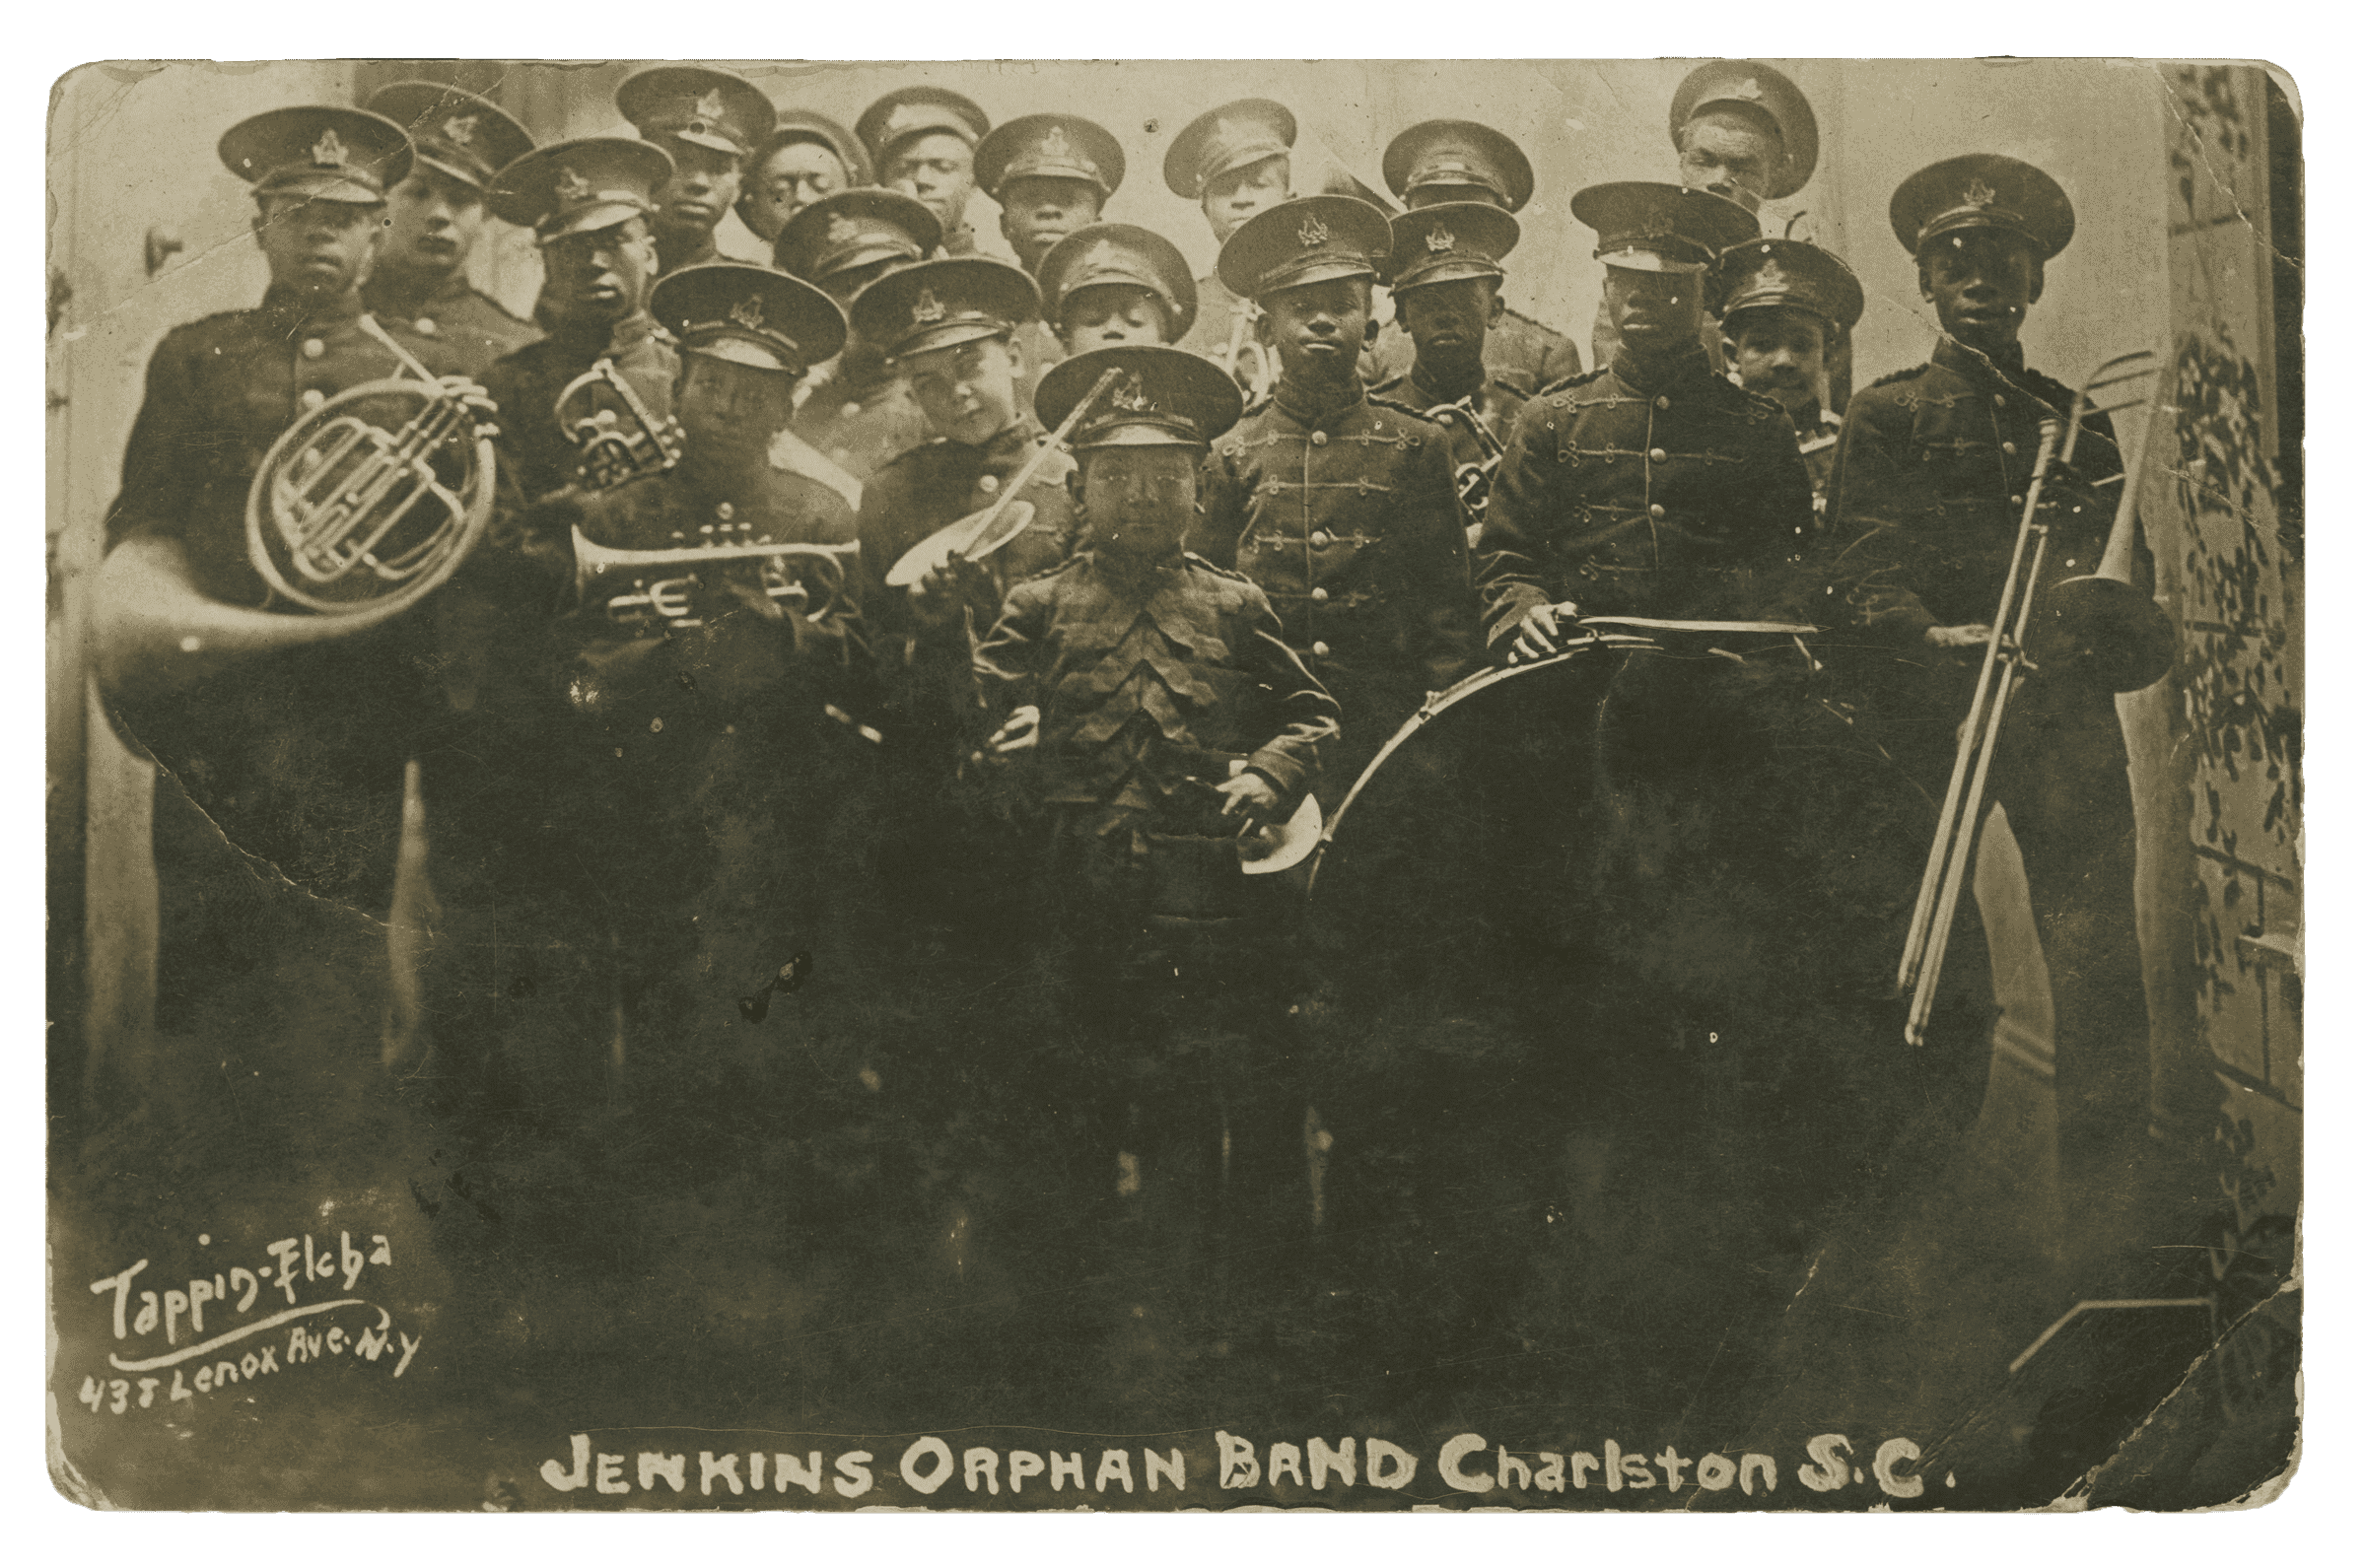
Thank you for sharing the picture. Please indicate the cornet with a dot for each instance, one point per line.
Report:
(614, 429)
(657, 588)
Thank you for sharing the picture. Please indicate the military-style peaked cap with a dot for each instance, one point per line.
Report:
(1452, 153)
(1788, 273)
(1247, 131)
(1983, 190)
(573, 187)
(1646, 226)
(713, 109)
(854, 229)
(908, 111)
(750, 315)
(1162, 397)
(1450, 241)
(455, 133)
(1751, 85)
(1120, 254)
(803, 125)
(1313, 239)
(323, 152)
(1050, 147)
(936, 304)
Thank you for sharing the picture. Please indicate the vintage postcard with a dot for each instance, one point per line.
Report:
(1554, 785)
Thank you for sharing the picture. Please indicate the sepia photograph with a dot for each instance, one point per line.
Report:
(1149, 785)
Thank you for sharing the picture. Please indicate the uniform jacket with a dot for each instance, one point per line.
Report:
(526, 385)
(1346, 518)
(860, 414)
(1497, 403)
(1928, 484)
(469, 321)
(931, 486)
(220, 392)
(1521, 353)
(1661, 491)
(1210, 333)
(1145, 679)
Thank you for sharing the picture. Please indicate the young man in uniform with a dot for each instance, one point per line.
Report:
(1439, 161)
(859, 413)
(1928, 496)
(707, 123)
(807, 156)
(1158, 710)
(435, 219)
(923, 142)
(1446, 275)
(1115, 284)
(1785, 306)
(1233, 161)
(1341, 508)
(1050, 174)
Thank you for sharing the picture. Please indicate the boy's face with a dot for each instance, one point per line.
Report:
(1040, 211)
(704, 185)
(1450, 320)
(967, 391)
(1984, 283)
(721, 404)
(794, 176)
(1318, 329)
(432, 221)
(1138, 501)
(1728, 153)
(319, 250)
(1656, 312)
(1230, 200)
(937, 171)
(601, 275)
(1108, 313)
(1780, 354)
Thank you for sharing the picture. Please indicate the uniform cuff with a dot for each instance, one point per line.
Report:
(1281, 770)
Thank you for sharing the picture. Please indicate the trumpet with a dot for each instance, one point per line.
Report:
(2100, 618)
(1472, 480)
(618, 434)
(657, 588)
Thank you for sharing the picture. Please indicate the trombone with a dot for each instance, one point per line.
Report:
(2095, 608)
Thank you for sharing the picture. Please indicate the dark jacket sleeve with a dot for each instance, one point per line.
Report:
(1222, 513)
(1440, 564)
(1780, 507)
(164, 458)
(1866, 560)
(1008, 659)
(1521, 507)
(1307, 714)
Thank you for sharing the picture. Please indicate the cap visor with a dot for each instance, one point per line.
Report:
(733, 349)
(707, 139)
(1327, 271)
(1139, 435)
(322, 187)
(606, 215)
(1445, 272)
(951, 334)
(452, 168)
(887, 251)
(1649, 261)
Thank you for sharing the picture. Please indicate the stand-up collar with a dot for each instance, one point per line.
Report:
(1689, 364)
(287, 308)
(1312, 406)
(1964, 359)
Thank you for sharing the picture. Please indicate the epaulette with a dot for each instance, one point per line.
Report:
(506, 312)
(1908, 373)
(1758, 405)
(1539, 326)
(1201, 561)
(1391, 403)
(1053, 570)
(1567, 381)
(1497, 380)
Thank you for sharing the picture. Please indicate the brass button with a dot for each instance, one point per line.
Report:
(1319, 539)
(1660, 454)
(1321, 595)
(1660, 401)
(1999, 399)
(2010, 449)
(722, 509)
(1658, 510)
(313, 348)
(849, 410)
(425, 326)
(313, 397)
(1321, 438)
(989, 483)
(2017, 501)
(1321, 649)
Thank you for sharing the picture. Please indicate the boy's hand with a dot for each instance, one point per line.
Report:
(1019, 732)
(1251, 792)
(1539, 635)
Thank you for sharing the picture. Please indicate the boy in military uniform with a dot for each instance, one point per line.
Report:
(1114, 284)
(807, 157)
(1050, 174)
(1446, 275)
(924, 142)
(435, 219)
(1159, 710)
(1927, 495)
(857, 411)
(1233, 161)
(1341, 508)
(1452, 161)
(707, 123)
(1652, 487)
(1785, 306)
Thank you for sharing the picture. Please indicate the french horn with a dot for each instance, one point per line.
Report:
(613, 427)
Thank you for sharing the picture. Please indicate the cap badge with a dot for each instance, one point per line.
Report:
(1769, 276)
(328, 152)
(1749, 88)
(901, 117)
(1130, 398)
(1979, 194)
(1055, 142)
(570, 185)
(749, 313)
(842, 229)
(707, 110)
(1231, 133)
(926, 309)
(1439, 241)
(1101, 257)
(1658, 226)
(1313, 231)
(461, 129)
